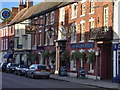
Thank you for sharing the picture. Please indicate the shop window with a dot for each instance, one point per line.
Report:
(91, 68)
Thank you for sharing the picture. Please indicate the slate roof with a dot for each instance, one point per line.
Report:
(36, 10)
(18, 16)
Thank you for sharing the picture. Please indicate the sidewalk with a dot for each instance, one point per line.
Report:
(97, 83)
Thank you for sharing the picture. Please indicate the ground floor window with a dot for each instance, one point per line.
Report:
(81, 63)
(73, 65)
(91, 69)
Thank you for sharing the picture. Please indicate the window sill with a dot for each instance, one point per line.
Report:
(74, 17)
(82, 15)
(91, 71)
(45, 45)
(91, 13)
(39, 45)
(90, 40)
(72, 42)
(40, 26)
(51, 23)
(73, 69)
(81, 41)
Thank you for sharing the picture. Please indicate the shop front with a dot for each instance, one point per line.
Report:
(116, 59)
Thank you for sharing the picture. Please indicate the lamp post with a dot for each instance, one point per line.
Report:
(96, 53)
(60, 46)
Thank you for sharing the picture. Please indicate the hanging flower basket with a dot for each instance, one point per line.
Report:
(65, 56)
(76, 55)
(45, 54)
(90, 57)
(83, 56)
(52, 55)
(32, 57)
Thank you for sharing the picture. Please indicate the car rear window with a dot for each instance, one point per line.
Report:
(42, 67)
(23, 66)
(14, 65)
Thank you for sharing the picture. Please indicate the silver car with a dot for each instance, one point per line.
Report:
(38, 70)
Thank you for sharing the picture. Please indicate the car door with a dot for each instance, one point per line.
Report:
(31, 70)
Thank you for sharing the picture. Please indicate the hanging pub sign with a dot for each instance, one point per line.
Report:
(5, 14)
(31, 29)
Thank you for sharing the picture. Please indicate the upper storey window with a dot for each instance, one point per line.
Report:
(62, 14)
(74, 10)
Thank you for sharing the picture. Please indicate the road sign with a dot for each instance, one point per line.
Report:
(6, 14)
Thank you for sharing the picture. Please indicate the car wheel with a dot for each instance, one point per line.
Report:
(19, 73)
(15, 72)
(32, 76)
(47, 77)
(26, 74)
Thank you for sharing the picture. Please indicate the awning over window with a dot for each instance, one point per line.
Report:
(8, 55)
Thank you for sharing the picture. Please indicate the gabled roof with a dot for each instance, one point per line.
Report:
(30, 11)
(49, 6)
(36, 10)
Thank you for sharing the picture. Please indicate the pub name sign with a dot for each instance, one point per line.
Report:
(83, 45)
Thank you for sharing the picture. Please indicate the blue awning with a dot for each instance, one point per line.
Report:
(8, 55)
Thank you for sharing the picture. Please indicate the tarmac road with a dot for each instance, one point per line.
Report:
(15, 81)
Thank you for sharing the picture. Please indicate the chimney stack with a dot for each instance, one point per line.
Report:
(29, 3)
(21, 6)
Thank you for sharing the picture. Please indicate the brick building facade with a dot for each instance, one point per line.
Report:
(86, 27)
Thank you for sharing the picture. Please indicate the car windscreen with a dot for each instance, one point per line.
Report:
(42, 67)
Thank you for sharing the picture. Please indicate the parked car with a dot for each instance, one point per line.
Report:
(3, 67)
(38, 70)
(11, 67)
(21, 69)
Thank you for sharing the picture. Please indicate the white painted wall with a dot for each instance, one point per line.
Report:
(116, 35)
(21, 33)
(116, 20)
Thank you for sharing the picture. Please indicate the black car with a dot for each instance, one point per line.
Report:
(3, 67)
(11, 67)
(21, 69)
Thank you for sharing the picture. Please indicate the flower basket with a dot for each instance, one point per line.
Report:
(90, 57)
(45, 54)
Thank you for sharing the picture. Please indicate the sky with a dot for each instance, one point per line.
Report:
(9, 4)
